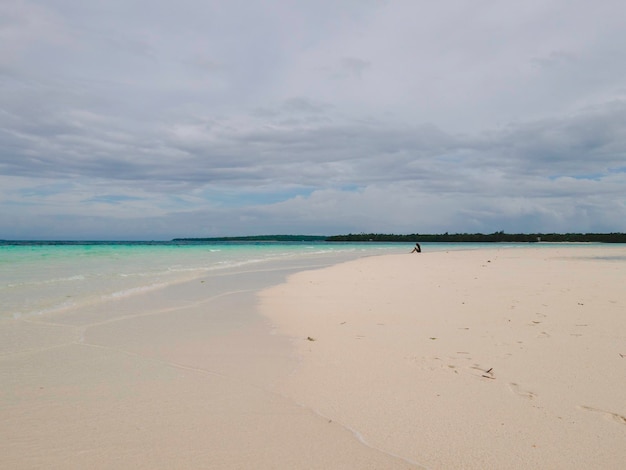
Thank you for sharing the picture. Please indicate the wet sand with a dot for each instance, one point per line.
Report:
(503, 358)
(184, 377)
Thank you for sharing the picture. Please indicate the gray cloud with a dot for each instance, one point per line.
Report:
(150, 115)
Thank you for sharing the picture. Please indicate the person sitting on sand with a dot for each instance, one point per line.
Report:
(417, 249)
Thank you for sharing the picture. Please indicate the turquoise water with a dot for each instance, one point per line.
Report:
(45, 277)
(39, 278)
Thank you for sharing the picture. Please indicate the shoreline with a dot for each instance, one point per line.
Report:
(419, 352)
(219, 371)
(180, 377)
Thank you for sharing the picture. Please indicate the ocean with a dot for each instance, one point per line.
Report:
(43, 278)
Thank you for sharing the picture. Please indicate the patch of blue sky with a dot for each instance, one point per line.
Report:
(454, 157)
(588, 176)
(247, 198)
(21, 203)
(620, 169)
(178, 202)
(112, 199)
(350, 188)
(592, 176)
(46, 190)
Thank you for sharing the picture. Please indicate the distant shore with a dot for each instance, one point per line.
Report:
(496, 237)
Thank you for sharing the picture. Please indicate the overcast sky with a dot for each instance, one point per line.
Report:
(154, 119)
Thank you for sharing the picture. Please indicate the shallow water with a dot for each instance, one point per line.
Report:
(42, 278)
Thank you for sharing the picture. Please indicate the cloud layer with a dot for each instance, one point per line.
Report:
(152, 120)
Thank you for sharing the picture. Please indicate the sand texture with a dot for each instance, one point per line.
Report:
(182, 378)
(505, 358)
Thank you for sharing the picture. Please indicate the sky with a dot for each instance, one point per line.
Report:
(154, 119)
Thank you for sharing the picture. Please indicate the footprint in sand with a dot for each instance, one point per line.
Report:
(610, 415)
(515, 388)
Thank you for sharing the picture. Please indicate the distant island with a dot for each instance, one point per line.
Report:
(495, 237)
(483, 238)
(258, 238)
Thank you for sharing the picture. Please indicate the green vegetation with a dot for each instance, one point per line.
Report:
(417, 237)
(483, 238)
(257, 238)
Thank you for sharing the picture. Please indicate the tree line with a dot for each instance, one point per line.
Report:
(614, 237)
(257, 238)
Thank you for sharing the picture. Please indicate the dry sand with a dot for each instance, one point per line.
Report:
(506, 358)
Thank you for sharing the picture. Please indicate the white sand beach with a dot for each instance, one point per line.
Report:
(503, 358)
(506, 358)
